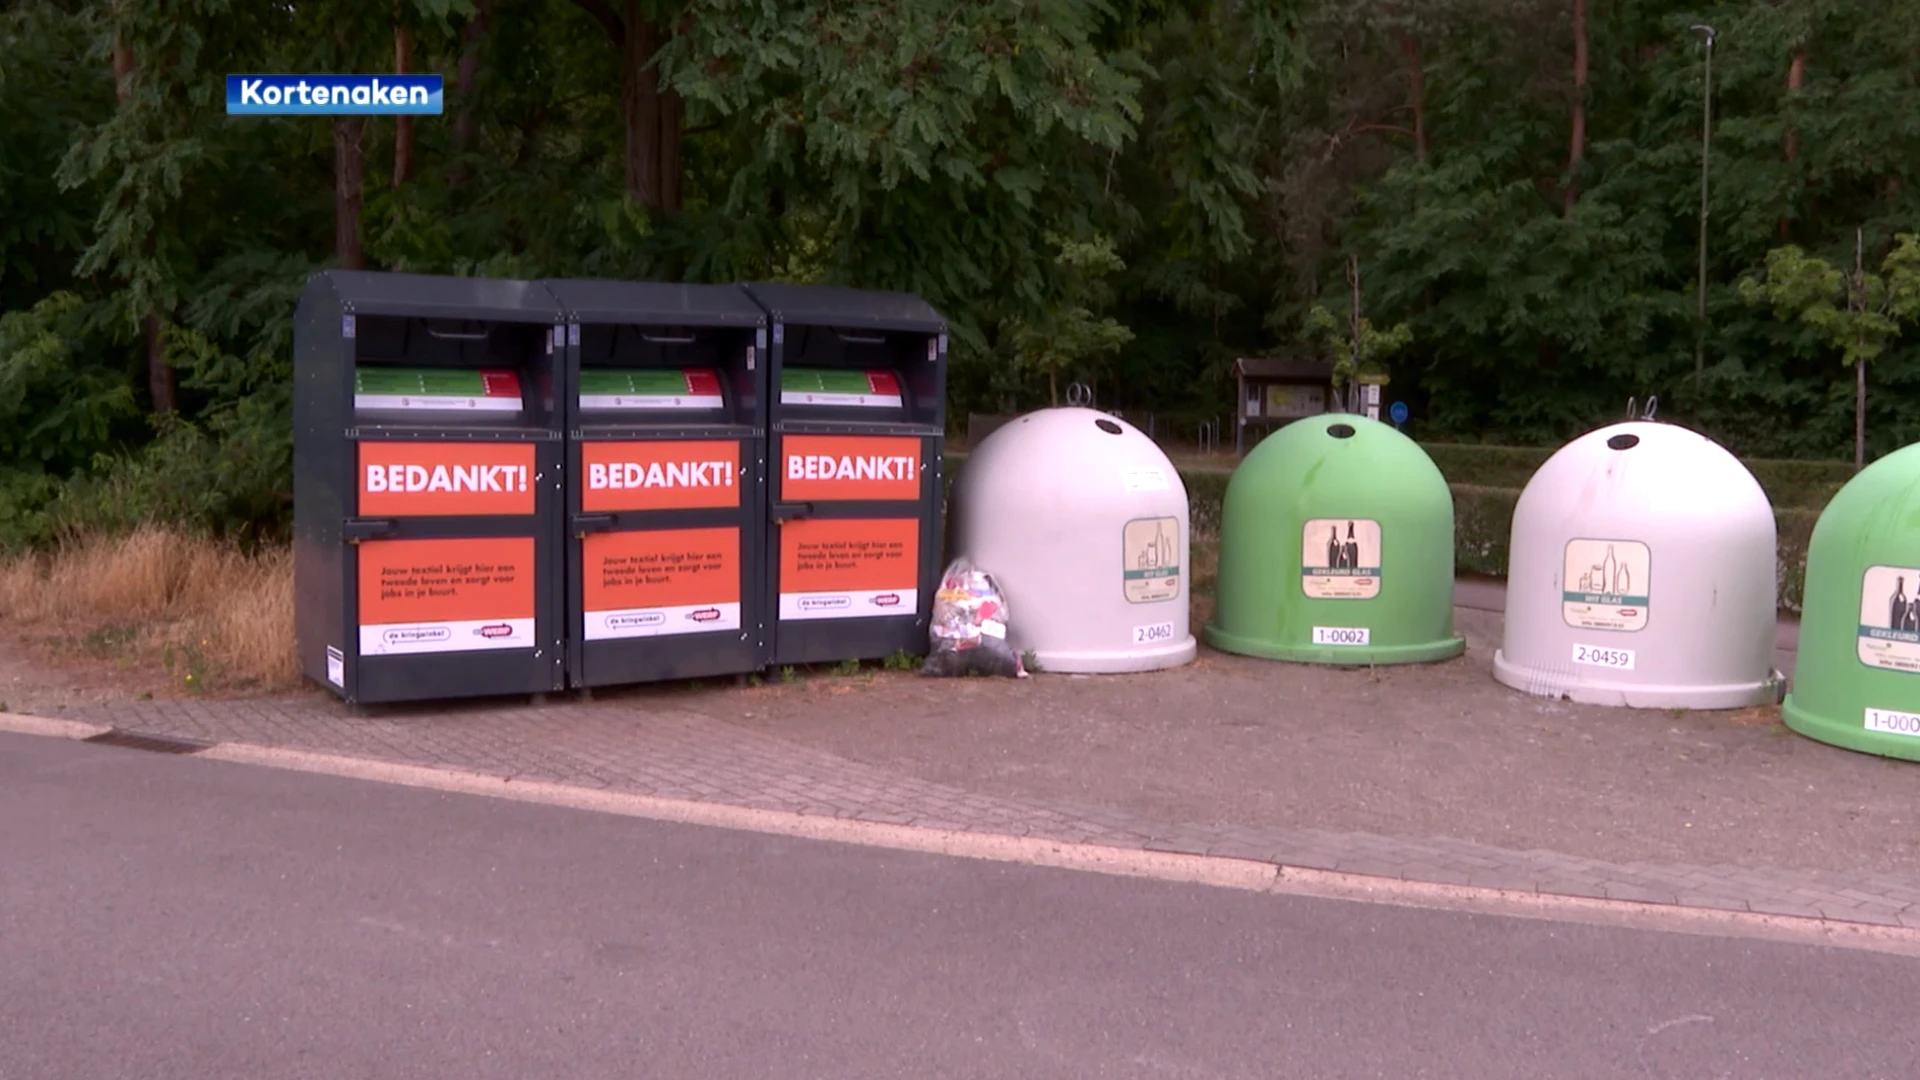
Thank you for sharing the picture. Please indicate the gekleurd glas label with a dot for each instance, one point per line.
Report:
(1888, 636)
(436, 389)
(1340, 559)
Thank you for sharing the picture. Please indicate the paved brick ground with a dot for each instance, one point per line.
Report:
(675, 753)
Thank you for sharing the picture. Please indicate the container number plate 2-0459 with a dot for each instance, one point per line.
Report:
(1618, 659)
(1341, 635)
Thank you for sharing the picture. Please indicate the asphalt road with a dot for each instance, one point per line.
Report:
(168, 917)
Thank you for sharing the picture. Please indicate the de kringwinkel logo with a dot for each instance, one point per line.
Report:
(334, 95)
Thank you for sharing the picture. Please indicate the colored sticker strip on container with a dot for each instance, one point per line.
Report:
(436, 389)
(1889, 635)
(659, 475)
(660, 582)
(1150, 548)
(1340, 559)
(1606, 584)
(849, 468)
(602, 390)
(839, 569)
(841, 389)
(442, 596)
(445, 479)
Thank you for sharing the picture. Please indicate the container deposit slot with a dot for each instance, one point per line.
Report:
(429, 371)
(848, 374)
(654, 372)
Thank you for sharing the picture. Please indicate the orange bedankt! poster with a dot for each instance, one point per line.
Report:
(659, 475)
(847, 468)
(660, 569)
(826, 556)
(437, 479)
(411, 581)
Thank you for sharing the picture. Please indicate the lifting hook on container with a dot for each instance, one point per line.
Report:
(1636, 413)
(1079, 395)
(590, 523)
(355, 530)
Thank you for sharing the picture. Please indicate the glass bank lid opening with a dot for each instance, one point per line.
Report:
(853, 373)
(677, 371)
(415, 370)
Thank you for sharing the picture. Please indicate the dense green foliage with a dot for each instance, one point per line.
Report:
(1128, 193)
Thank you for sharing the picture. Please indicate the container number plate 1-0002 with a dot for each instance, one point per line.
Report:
(1893, 723)
(1341, 635)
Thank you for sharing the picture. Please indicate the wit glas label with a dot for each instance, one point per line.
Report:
(336, 667)
(1148, 635)
(1893, 723)
(1618, 659)
(1341, 635)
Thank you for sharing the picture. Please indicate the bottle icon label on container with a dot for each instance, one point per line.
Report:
(1606, 584)
(1152, 552)
(1340, 559)
(1889, 633)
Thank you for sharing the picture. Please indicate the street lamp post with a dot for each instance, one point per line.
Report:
(1706, 148)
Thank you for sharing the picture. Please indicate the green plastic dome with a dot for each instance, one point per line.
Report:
(1336, 547)
(1856, 676)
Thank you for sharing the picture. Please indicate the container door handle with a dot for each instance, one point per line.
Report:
(791, 511)
(358, 529)
(591, 523)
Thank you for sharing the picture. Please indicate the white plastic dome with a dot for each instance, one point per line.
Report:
(1082, 522)
(1642, 573)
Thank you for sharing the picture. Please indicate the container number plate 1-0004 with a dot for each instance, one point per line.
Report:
(1618, 659)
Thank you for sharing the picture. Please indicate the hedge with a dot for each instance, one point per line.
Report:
(1483, 514)
(1787, 483)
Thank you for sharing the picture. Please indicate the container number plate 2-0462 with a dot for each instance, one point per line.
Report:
(1618, 659)
(1147, 635)
(1341, 635)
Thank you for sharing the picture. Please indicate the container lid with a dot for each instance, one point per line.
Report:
(434, 296)
(820, 305)
(653, 302)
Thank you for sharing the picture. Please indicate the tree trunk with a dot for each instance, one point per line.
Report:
(641, 105)
(349, 168)
(1416, 92)
(466, 83)
(162, 384)
(1859, 415)
(1857, 302)
(402, 125)
(673, 111)
(1577, 146)
(1796, 78)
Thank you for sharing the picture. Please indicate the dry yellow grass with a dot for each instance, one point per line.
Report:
(209, 609)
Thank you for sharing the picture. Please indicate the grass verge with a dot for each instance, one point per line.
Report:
(203, 612)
